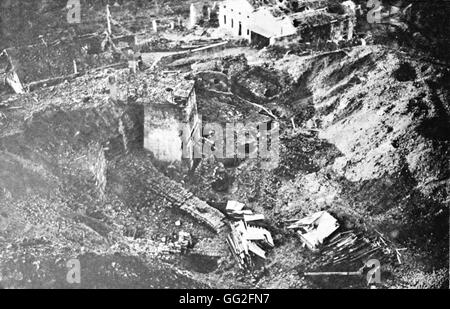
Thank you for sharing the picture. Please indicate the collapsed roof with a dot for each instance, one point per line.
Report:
(288, 6)
(294, 15)
(315, 19)
(280, 8)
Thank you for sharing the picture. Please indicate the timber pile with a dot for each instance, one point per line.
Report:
(350, 247)
(247, 241)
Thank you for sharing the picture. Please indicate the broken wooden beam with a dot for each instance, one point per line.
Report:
(334, 273)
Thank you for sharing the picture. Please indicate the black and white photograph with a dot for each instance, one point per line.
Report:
(237, 146)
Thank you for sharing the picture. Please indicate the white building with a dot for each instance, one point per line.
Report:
(265, 27)
(255, 23)
(265, 23)
(234, 16)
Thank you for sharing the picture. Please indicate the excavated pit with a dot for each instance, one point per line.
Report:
(363, 137)
(84, 165)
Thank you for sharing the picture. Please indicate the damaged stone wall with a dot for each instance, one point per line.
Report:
(162, 133)
(131, 127)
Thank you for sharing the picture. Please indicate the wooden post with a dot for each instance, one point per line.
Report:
(208, 13)
(108, 20)
(12, 79)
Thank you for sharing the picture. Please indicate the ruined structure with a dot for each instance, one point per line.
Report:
(272, 22)
(49, 63)
(201, 12)
(322, 26)
(172, 124)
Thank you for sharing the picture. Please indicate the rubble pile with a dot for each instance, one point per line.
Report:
(245, 239)
(46, 61)
(246, 236)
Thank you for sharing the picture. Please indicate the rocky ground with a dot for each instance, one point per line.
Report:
(363, 134)
(362, 148)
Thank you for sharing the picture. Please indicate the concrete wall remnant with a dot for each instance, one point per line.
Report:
(172, 125)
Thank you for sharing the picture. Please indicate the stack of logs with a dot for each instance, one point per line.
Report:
(350, 247)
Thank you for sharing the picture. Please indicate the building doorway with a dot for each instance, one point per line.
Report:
(259, 40)
(240, 29)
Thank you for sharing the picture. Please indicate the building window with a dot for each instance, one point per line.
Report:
(224, 20)
(232, 23)
(248, 32)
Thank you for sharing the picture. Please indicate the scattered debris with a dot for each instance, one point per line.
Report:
(334, 273)
(314, 229)
(244, 239)
(184, 241)
(234, 207)
(251, 218)
(236, 211)
(350, 247)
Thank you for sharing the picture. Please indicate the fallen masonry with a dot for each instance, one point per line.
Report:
(186, 201)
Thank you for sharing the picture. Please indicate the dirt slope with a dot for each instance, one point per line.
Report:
(388, 116)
